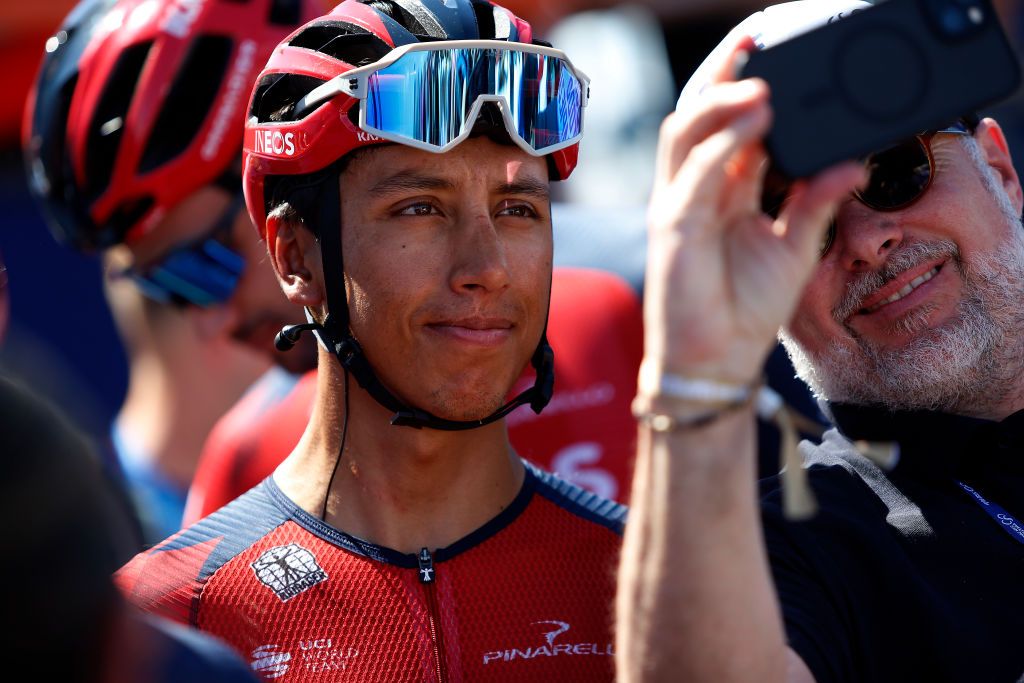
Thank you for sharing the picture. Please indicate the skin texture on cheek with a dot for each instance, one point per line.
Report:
(813, 325)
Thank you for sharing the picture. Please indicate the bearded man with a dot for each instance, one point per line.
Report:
(906, 320)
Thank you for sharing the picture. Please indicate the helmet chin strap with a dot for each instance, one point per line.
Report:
(335, 335)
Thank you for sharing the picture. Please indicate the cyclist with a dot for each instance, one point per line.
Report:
(132, 139)
(398, 160)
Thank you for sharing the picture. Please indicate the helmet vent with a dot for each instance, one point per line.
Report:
(277, 94)
(188, 101)
(351, 44)
(484, 12)
(285, 12)
(406, 19)
(104, 134)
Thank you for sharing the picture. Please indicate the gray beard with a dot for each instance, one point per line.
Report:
(969, 365)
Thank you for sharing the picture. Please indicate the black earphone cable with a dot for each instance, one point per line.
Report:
(341, 452)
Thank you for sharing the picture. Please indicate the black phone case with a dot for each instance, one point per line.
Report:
(882, 74)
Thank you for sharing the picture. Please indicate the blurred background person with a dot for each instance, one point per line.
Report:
(65, 621)
(132, 137)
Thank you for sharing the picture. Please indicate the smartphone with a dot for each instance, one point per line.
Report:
(882, 74)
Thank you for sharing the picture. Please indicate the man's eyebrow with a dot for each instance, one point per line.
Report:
(404, 181)
(529, 187)
(410, 180)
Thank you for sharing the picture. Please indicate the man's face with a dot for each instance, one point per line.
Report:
(448, 267)
(257, 309)
(919, 308)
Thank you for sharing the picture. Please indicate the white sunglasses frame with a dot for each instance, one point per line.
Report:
(353, 84)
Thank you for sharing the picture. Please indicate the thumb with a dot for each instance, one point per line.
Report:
(812, 202)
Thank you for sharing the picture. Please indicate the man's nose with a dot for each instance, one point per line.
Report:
(480, 260)
(865, 238)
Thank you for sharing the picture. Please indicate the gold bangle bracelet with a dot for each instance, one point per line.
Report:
(665, 422)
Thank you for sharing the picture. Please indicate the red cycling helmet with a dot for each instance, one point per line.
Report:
(355, 33)
(139, 103)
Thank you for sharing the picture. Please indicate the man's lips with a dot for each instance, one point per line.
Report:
(900, 287)
(478, 331)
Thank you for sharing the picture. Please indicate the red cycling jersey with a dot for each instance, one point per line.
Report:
(586, 435)
(528, 596)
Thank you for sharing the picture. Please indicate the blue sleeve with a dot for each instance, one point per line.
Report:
(185, 654)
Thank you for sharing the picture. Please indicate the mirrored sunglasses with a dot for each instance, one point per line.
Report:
(201, 273)
(429, 95)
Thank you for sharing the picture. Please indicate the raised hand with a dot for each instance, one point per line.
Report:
(722, 276)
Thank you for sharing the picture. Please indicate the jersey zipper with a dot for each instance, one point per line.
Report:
(427, 578)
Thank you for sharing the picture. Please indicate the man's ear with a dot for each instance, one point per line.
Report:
(996, 151)
(295, 256)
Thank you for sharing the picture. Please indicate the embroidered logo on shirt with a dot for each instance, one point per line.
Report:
(269, 661)
(560, 628)
(323, 654)
(288, 570)
(552, 629)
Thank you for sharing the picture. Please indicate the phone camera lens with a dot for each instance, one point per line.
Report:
(957, 18)
(953, 20)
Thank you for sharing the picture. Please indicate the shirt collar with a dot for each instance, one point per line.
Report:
(934, 444)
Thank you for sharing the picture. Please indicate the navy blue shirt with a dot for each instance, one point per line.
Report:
(903, 576)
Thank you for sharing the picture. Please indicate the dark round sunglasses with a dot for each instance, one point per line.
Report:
(899, 176)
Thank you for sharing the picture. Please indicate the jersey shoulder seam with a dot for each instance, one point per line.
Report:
(579, 501)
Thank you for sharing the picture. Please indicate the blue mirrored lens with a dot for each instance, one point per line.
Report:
(427, 96)
(203, 273)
